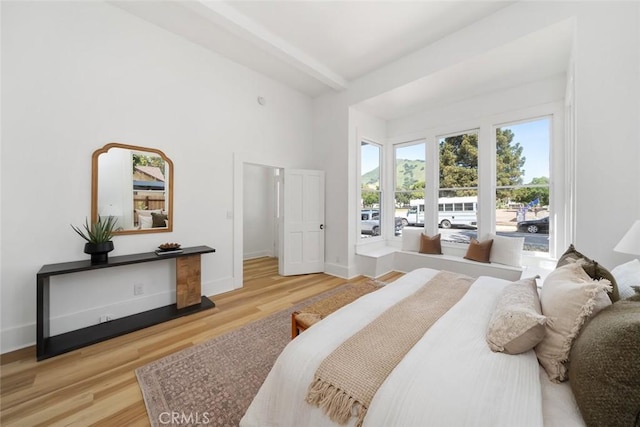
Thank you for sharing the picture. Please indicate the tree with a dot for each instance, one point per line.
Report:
(142, 160)
(459, 164)
(509, 163)
(527, 194)
(370, 198)
(416, 191)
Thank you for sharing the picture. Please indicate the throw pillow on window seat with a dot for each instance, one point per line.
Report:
(430, 245)
(479, 251)
(506, 250)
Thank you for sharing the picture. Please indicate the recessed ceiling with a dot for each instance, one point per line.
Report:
(319, 46)
(537, 56)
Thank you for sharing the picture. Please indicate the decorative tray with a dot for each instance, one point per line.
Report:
(168, 248)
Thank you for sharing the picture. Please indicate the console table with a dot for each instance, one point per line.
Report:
(189, 300)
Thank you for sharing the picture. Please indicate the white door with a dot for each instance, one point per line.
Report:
(302, 223)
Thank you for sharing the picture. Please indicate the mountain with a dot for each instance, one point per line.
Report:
(408, 172)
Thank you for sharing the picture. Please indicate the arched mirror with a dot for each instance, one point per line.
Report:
(134, 185)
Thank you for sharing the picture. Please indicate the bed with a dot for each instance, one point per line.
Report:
(449, 377)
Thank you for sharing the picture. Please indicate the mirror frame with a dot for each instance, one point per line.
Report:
(94, 186)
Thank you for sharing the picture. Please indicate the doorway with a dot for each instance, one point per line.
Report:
(261, 211)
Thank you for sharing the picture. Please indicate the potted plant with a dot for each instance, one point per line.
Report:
(98, 236)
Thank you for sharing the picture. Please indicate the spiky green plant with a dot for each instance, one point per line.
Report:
(100, 231)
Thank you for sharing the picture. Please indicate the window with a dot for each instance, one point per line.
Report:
(370, 193)
(409, 181)
(522, 182)
(481, 187)
(458, 186)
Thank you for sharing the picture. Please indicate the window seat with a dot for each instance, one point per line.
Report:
(375, 260)
(452, 259)
(406, 261)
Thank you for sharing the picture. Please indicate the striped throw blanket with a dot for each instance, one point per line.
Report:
(348, 378)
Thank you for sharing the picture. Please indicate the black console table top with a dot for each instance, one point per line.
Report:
(116, 261)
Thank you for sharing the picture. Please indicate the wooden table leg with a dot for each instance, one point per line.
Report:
(188, 283)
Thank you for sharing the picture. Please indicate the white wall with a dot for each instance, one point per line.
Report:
(77, 75)
(258, 211)
(606, 101)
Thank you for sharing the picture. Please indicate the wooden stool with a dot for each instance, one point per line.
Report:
(313, 313)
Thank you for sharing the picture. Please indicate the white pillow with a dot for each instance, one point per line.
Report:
(411, 239)
(506, 250)
(145, 221)
(627, 275)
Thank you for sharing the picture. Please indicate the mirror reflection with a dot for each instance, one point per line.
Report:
(134, 185)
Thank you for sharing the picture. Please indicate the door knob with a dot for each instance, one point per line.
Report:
(321, 226)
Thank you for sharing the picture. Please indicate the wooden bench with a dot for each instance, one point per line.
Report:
(313, 313)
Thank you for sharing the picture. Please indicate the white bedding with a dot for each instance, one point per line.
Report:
(449, 378)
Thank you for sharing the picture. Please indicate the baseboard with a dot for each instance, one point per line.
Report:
(219, 286)
(257, 254)
(72, 321)
(17, 337)
(340, 271)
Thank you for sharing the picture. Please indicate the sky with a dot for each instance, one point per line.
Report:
(533, 136)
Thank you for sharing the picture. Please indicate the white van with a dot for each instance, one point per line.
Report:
(452, 211)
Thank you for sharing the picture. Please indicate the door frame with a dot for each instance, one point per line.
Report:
(239, 160)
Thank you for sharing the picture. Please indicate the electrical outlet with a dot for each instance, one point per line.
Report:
(106, 318)
(138, 289)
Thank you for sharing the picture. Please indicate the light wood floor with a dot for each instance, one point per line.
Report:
(96, 385)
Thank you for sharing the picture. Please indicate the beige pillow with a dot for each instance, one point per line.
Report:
(569, 297)
(517, 323)
(430, 245)
(479, 251)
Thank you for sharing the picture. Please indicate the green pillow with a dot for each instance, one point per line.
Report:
(593, 269)
(158, 220)
(604, 372)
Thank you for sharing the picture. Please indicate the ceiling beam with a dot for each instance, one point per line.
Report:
(220, 13)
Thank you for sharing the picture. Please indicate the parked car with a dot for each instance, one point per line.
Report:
(534, 225)
(370, 223)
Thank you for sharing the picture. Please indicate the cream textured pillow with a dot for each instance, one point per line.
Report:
(506, 250)
(569, 297)
(517, 323)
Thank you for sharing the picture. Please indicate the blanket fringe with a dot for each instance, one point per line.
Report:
(337, 404)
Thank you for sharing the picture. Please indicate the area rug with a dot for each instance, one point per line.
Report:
(214, 382)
